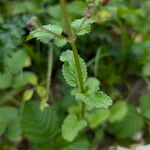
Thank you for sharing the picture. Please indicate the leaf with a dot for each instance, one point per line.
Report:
(38, 126)
(92, 84)
(145, 105)
(24, 78)
(82, 144)
(82, 26)
(27, 62)
(27, 95)
(128, 126)
(41, 91)
(43, 104)
(60, 42)
(5, 80)
(14, 131)
(43, 34)
(16, 62)
(60, 144)
(75, 108)
(71, 126)
(9, 123)
(97, 117)
(31, 77)
(118, 111)
(3, 125)
(97, 99)
(69, 69)
(6, 111)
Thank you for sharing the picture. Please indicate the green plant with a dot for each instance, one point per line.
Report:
(38, 110)
(86, 90)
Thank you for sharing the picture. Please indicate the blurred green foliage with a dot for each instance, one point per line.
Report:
(117, 53)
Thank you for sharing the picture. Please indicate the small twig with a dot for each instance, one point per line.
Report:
(96, 65)
(49, 72)
(89, 13)
(90, 62)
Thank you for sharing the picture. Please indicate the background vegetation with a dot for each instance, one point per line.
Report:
(117, 52)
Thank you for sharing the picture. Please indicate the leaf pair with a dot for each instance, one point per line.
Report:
(50, 32)
(92, 95)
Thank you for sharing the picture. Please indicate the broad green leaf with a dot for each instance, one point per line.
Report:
(38, 126)
(71, 126)
(97, 117)
(27, 95)
(97, 99)
(5, 80)
(60, 144)
(82, 26)
(3, 124)
(145, 105)
(69, 69)
(8, 121)
(82, 144)
(118, 111)
(6, 111)
(16, 62)
(128, 126)
(14, 131)
(24, 78)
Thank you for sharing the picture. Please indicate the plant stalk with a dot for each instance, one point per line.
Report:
(66, 17)
(75, 51)
(49, 73)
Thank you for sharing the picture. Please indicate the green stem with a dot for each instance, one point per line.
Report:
(66, 17)
(75, 51)
(49, 73)
(78, 67)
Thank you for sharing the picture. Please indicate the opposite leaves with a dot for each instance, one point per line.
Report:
(71, 127)
(93, 97)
